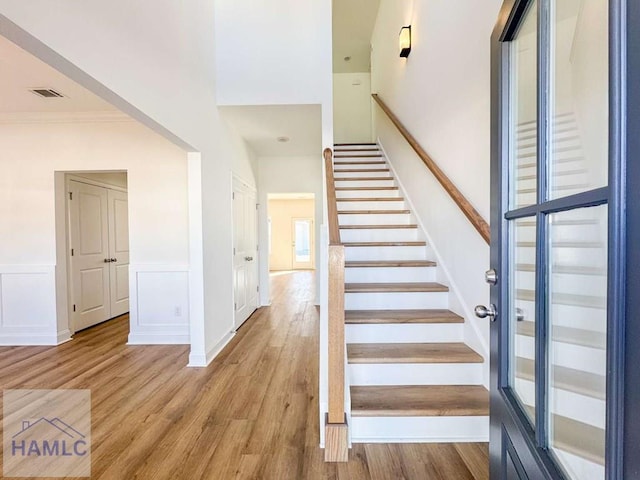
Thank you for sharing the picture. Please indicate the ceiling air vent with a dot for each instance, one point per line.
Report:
(46, 92)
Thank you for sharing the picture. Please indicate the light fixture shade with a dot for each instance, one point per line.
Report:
(405, 41)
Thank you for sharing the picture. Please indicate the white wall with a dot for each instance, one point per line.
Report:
(161, 72)
(30, 234)
(352, 107)
(441, 93)
(287, 175)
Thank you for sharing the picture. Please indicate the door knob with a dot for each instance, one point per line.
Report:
(107, 260)
(114, 259)
(483, 312)
(248, 259)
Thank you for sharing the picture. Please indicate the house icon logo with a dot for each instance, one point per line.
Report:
(48, 437)
(46, 433)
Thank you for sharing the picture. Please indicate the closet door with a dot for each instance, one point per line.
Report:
(118, 252)
(90, 259)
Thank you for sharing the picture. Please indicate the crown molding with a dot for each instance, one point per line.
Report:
(29, 118)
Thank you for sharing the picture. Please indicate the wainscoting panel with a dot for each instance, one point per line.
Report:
(28, 305)
(159, 296)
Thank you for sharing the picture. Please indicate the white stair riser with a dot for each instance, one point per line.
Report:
(372, 205)
(415, 373)
(367, 164)
(419, 429)
(592, 256)
(360, 174)
(588, 359)
(375, 219)
(595, 285)
(589, 410)
(383, 182)
(404, 333)
(571, 316)
(580, 467)
(385, 253)
(564, 233)
(389, 274)
(379, 235)
(395, 300)
(366, 193)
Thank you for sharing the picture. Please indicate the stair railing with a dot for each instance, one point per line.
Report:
(336, 430)
(467, 209)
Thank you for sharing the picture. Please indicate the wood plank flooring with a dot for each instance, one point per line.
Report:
(252, 414)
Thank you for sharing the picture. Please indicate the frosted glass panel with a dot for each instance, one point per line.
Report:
(578, 334)
(523, 115)
(580, 91)
(303, 240)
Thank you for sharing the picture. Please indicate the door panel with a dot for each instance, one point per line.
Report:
(245, 257)
(551, 405)
(118, 252)
(89, 241)
(303, 251)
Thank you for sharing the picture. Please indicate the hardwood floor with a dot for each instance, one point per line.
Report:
(252, 414)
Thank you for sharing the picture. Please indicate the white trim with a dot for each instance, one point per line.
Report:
(21, 268)
(453, 287)
(76, 177)
(205, 360)
(158, 338)
(468, 439)
(29, 118)
(196, 257)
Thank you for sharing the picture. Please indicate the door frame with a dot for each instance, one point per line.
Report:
(64, 280)
(312, 246)
(623, 337)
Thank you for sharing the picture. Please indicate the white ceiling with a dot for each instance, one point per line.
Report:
(353, 22)
(22, 71)
(261, 126)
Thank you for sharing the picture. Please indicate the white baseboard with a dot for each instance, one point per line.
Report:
(28, 340)
(198, 360)
(64, 336)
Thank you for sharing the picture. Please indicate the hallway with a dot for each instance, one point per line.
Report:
(251, 414)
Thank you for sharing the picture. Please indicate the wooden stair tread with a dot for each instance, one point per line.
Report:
(374, 155)
(352, 144)
(376, 162)
(564, 378)
(564, 269)
(361, 170)
(401, 316)
(411, 353)
(574, 336)
(587, 301)
(371, 212)
(379, 226)
(346, 189)
(389, 263)
(419, 401)
(373, 199)
(361, 179)
(394, 287)
(385, 244)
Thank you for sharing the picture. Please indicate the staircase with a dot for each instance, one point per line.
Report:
(411, 376)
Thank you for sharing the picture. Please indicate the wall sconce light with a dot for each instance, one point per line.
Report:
(405, 41)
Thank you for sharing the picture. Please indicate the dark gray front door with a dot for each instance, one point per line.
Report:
(558, 239)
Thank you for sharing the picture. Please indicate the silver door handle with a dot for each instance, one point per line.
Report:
(483, 312)
(248, 259)
(114, 259)
(491, 276)
(107, 260)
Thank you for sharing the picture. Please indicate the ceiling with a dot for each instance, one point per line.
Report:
(262, 125)
(22, 71)
(353, 22)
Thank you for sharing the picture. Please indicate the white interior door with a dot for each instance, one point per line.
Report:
(302, 243)
(89, 255)
(118, 252)
(245, 261)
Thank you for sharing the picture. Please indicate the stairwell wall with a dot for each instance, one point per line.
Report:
(442, 94)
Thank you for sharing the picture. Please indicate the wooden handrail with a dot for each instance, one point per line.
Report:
(336, 437)
(332, 203)
(471, 213)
